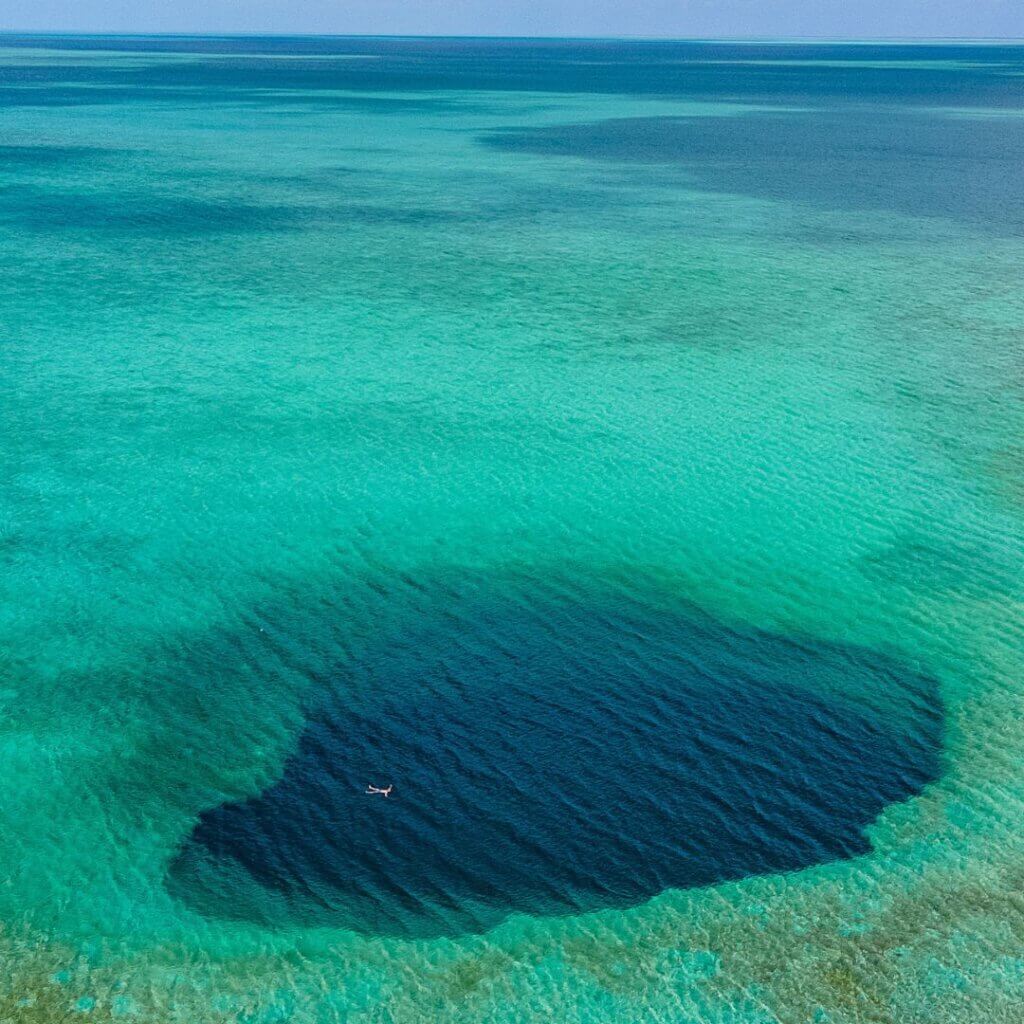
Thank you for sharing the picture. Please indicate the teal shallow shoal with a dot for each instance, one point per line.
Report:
(616, 446)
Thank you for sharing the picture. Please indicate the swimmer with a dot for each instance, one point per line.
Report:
(377, 789)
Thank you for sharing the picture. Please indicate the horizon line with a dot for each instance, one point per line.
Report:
(864, 40)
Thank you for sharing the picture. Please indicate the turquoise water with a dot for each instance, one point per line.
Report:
(614, 446)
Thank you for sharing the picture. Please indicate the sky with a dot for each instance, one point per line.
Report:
(857, 19)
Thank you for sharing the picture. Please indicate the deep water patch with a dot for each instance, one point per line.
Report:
(554, 752)
(142, 212)
(915, 163)
(149, 213)
(37, 156)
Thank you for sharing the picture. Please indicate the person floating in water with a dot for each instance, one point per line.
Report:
(385, 792)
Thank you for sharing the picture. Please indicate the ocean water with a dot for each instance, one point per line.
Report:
(615, 446)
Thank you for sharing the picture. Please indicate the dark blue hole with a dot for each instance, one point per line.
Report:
(550, 755)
